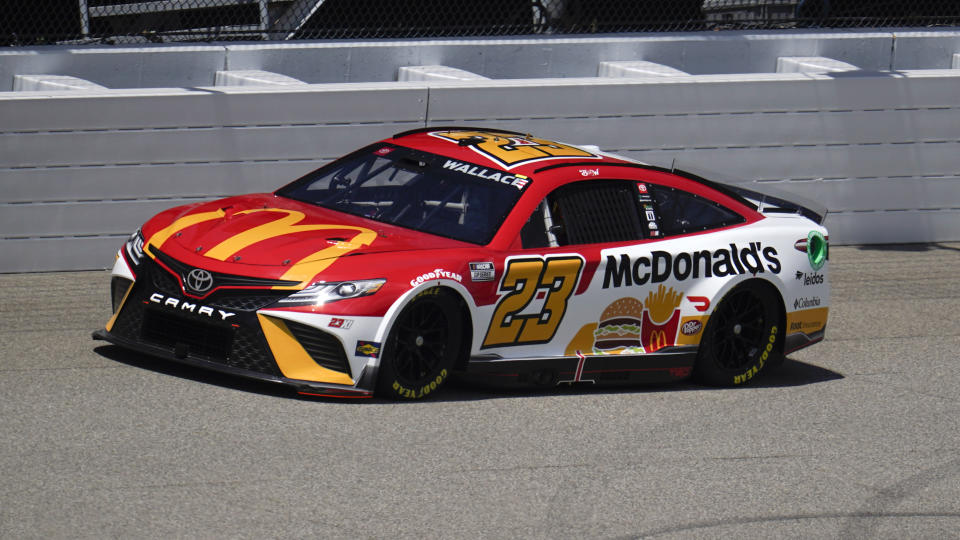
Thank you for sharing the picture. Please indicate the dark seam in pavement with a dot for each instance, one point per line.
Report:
(855, 533)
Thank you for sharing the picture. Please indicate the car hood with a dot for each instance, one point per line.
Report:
(284, 238)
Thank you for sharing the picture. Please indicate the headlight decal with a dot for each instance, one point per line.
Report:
(134, 248)
(325, 292)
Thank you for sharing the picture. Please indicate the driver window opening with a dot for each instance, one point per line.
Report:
(543, 228)
(584, 213)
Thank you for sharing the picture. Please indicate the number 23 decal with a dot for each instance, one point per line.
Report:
(557, 276)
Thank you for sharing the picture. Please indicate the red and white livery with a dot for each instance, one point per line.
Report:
(497, 255)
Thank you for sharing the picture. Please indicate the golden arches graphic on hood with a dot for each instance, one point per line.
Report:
(303, 270)
(158, 239)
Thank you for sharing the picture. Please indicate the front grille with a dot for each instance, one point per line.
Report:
(245, 301)
(187, 336)
(130, 320)
(324, 348)
(118, 288)
(164, 281)
(239, 345)
(228, 299)
(219, 279)
(250, 352)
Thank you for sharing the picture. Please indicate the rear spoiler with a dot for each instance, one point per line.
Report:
(768, 201)
(773, 202)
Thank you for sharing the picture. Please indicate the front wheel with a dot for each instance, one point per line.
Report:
(421, 348)
(742, 336)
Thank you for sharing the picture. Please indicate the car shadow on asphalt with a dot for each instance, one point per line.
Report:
(790, 373)
(159, 365)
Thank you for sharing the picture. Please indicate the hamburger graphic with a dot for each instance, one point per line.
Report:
(618, 331)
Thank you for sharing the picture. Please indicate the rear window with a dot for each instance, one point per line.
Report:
(681, 212)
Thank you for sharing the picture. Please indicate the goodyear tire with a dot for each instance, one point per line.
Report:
(742, 336)
(422, 347)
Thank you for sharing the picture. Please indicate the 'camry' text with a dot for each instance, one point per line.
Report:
(183, 305)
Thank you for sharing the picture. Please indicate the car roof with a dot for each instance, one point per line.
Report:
(525, 154)
(519, 153)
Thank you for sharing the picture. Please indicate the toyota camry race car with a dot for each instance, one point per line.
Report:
(501, 256)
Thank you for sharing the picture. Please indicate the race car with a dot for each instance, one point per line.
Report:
(486, 253)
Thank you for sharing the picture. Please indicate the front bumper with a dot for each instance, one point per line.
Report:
(308, 388)
(225, 333)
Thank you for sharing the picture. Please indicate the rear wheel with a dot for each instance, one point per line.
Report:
(422, 347)
(742, 336)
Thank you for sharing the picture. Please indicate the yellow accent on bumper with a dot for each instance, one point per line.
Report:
(113, 318)
(292, 359)
(807, 320)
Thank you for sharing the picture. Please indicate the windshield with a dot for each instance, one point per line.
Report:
(415, 190)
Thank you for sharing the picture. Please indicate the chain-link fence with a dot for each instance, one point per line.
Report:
(122, 21)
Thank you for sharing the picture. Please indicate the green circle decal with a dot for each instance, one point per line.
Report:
(816, 250)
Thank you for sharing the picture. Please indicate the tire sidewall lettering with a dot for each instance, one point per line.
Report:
(426, 389)
(754, 369)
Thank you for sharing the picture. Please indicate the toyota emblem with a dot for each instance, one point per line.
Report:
(199, 280)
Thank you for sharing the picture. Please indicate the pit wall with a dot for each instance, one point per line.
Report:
(866, 124)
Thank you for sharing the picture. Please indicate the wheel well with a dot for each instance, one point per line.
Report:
(466, 326)
(774, 293)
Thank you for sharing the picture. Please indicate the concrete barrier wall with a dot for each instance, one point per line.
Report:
(79, 173)
(81, 170)
(880, 150)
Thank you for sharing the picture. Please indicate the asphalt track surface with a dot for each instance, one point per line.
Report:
(857, 437)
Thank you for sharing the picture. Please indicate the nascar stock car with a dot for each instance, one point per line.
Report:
(497, 255)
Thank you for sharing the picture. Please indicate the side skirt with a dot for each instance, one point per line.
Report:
(667, 365)
(798, 340)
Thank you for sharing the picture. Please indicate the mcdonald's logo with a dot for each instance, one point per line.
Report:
(286, 222)
(658, 340)
(657, 336)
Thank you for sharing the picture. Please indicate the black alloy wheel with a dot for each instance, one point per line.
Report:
(742, 336)
(422, 347)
